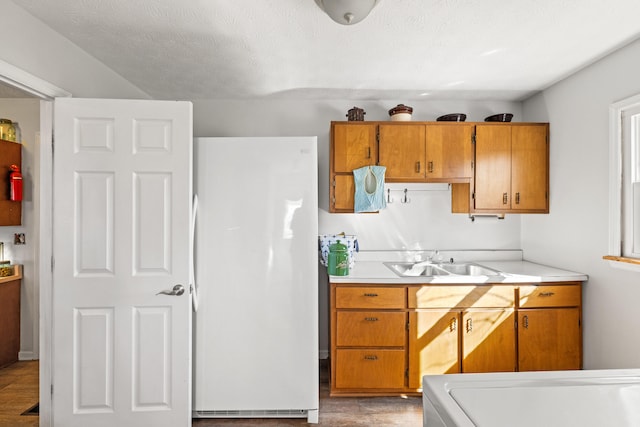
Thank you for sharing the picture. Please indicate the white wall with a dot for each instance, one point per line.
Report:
(27, 113)
(425, 223)
(38, 50)
(575, 234)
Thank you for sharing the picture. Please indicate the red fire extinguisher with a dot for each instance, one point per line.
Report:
(15, 183)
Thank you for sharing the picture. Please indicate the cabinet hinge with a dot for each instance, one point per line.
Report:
(333, 183)
(406, 326)
(378, 134)
(53, 263)
(473, 138)
(406, 373)
(51, 389)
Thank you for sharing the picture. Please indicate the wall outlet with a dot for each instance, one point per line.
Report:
(19, 239)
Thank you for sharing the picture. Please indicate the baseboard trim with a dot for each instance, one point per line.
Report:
(26, 355)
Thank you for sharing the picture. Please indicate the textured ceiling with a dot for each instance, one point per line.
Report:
(405, 49)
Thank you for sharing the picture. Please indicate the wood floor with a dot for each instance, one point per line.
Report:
(19, 392)
(341, 411)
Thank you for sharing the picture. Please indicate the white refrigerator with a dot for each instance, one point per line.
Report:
(256, 275)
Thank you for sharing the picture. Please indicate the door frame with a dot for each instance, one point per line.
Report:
(46, 92)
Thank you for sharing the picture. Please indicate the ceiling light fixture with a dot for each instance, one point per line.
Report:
(347, 12)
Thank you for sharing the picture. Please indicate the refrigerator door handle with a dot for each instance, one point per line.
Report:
(192, 272)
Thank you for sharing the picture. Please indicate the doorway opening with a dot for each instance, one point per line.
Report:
(29, 100)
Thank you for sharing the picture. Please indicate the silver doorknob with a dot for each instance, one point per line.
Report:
(177, 291)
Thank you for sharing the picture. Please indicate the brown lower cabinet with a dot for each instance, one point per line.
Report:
(9, 321)
(385, 338)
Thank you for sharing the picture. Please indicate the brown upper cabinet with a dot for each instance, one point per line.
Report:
(512, 168)
(10, 211)
(352, 146)
(493, 167)
(426, 152)
(402, 151)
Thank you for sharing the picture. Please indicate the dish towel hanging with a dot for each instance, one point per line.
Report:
(369, 189)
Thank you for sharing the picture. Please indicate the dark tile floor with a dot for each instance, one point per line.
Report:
(342, 411)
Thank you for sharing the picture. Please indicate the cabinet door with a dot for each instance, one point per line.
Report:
(549, 339)
(433, 344)
(529, 168)
(449, 151)
(402, 151)
(10, 154)
(343, 193)
(354, 146)
(488, 341)
(493, 168)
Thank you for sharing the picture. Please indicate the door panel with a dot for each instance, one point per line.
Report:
(493, 168)
(122, 200)
(449, 151)
(402, 151)
(549, 339)
(489, 341)
(433, 344)
(529, 167)
(354, 146)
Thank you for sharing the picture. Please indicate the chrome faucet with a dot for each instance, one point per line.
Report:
(435, 257)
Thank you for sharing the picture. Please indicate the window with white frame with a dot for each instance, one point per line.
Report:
(624, 198)
(631, 182)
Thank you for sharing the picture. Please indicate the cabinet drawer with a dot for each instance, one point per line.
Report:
(370, 297)
(370, 328)
(550, 296)
(371, 369)
(459, 296)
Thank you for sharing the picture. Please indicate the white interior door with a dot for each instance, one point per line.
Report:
(122, 201)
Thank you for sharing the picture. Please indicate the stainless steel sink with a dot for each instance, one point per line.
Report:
(468, 269)
(417, 269)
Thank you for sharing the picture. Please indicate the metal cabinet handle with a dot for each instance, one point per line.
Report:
(368, 153)
(430, 166)
(505, 198)
(453, 324)
(370, 295)
(525, 322)
(418, 167)
(371, 357)
(176, 291)
(517, 198)
(469, 325)
(371, 319)
(546, 294)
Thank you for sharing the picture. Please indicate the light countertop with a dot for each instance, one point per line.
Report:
(17, 274)
(370, 268)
